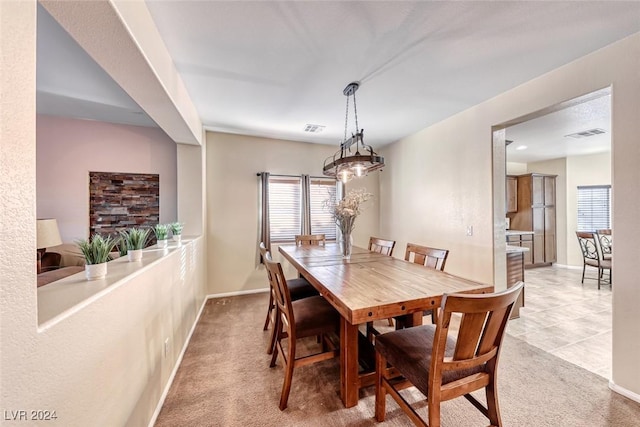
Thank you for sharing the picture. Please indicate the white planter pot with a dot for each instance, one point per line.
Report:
(134, 255)
(95, 271)
(163, 243)
(177, 238)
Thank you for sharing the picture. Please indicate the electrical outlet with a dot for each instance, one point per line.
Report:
(166, 347)
(469, 230)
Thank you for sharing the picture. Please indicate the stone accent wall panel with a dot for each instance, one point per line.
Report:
(122, 200)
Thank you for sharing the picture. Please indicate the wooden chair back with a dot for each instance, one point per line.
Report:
(384, 247)
(282, 298)
(478, 342)
(429, 257)
(461, 361)
(381, 246)
(310, 239)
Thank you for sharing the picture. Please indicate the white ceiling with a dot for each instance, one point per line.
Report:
(545, 137)
(269, 68)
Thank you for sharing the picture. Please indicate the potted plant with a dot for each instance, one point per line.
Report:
(96, 252)
(121, 245)
(135, 240)
(162, 234)
(176, 231)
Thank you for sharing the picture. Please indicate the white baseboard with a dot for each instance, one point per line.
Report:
(568, 267)
(177, 365)
(623, 391)
(236, 293)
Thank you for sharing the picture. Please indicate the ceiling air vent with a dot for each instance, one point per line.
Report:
(586, 133)
(314, 128)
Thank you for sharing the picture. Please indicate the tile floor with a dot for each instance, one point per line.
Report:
(565, 318)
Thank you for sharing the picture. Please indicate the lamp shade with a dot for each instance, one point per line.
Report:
(48, 233)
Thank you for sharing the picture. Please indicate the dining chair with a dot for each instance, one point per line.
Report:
(443, 364)
(381, 246)
(306, 317)
(606, 242)
(429, 257)
(310, 239)
(298, 289)
(384, 247)
(592, 256)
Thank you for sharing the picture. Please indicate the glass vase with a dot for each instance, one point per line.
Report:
(346, 244)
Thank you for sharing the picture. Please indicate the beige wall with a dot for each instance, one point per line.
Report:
(514, 168)
(68, 149)
(233, 203)
(441, 179)
(437, 183)
(582, 170)
(102, 363)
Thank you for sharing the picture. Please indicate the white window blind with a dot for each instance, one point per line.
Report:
(285, 207)
(594, 207)
(321, 219)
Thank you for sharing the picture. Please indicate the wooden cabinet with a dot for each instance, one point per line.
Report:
(537, 213)
(515, 274)
(512, 194)
(524, 241)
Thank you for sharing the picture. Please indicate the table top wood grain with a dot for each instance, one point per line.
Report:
(370, 286)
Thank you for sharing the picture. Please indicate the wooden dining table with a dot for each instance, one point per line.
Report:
(367, 287)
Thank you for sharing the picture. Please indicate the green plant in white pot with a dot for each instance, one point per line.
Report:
(96, 251)
(135, 240)
(121, 245)
(162, 234)
(176, 231)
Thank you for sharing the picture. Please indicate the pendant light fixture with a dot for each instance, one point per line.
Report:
(354, 158)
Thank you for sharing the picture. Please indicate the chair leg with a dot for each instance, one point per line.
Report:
(288, 375)
(277, 336)
(381, 392)
(268, 319)
(584, 267)
(433, 405)
(493, 408)
(274, 333)
(390, 320)
(599, 277)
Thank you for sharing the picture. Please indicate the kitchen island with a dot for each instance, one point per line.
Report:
(523, 239)
(515, 273)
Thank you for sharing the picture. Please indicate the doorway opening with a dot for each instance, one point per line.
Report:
(570, 143)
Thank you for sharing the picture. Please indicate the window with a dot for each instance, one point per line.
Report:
(594, 207)
(287, 207)
(321, 218)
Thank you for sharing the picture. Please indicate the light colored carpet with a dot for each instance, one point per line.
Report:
(225, 380)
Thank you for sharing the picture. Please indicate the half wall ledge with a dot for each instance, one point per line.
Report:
(61, 299)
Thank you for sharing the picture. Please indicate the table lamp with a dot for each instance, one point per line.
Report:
(47, 235)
